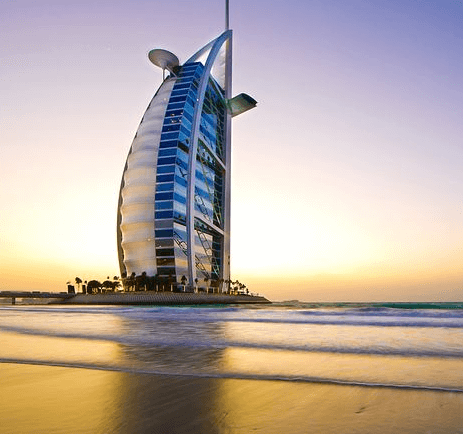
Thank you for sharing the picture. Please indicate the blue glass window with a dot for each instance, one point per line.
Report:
(182, 155)
(170, 120)
(179, 92)
(186, 123)
(164, 205)
(180, 231)
(173, 106)
(180, 172)
(168, 144)
(169, 136)
(163, 161)
(164, 233)
(190, 100)
(166, 169)
(179, 198)
(181, 181)
(202, 193)
(163, 214)
(173, 113)
(164, 196)
(188, 116)
(184, 130)
(178, 99)
(189, 109)
(165, 178)
(190, 66)
(180, 190)
(181, 86)
(168, 186)
(172, 127)
(188, 74)
(184, 138)
(179, 217)
(200, 176)
(182, 164)
(167, 152)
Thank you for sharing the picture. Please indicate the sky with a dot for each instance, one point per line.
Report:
(347, 181)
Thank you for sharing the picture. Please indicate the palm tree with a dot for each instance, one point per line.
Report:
(196, 284)
(132, 281)
(107, 284)
(183, 280)
(141, 282)
(124, 280)
(93, 284)
(206, 279)
(115, 283)
(78, 282)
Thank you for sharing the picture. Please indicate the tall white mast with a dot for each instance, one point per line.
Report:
(227, 195)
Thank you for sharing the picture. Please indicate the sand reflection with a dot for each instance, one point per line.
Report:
(356, 368)
(14, 346)
(167, 404)
(43, 399)
(275, 407)
(181, 348)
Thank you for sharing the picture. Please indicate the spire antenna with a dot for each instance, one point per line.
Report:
(227, 16)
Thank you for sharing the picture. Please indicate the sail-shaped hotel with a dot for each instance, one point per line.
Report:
(174, 203)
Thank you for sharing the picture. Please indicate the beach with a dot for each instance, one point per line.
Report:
(278, 369)
(44, 399)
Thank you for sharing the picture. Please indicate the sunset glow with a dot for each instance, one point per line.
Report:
(346, 178)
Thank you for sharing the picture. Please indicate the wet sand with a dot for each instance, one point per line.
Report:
(44, 399)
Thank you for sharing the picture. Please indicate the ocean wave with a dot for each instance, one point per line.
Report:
(167, 341)
(236, 376)
(65, 310)
(436, 305)
(344, 320)
(357, 316)
(378, 319)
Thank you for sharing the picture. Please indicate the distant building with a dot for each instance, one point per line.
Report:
(174, 203)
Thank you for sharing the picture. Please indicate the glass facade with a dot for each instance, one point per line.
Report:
(174, 206)
(171, 185)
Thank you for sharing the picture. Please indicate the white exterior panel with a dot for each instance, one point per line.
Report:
(139, 188)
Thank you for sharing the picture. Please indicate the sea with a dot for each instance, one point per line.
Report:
(288, 367)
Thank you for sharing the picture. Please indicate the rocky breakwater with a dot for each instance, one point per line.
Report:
(163, 298)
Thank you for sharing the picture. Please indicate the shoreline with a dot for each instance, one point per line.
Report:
(161, 298)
